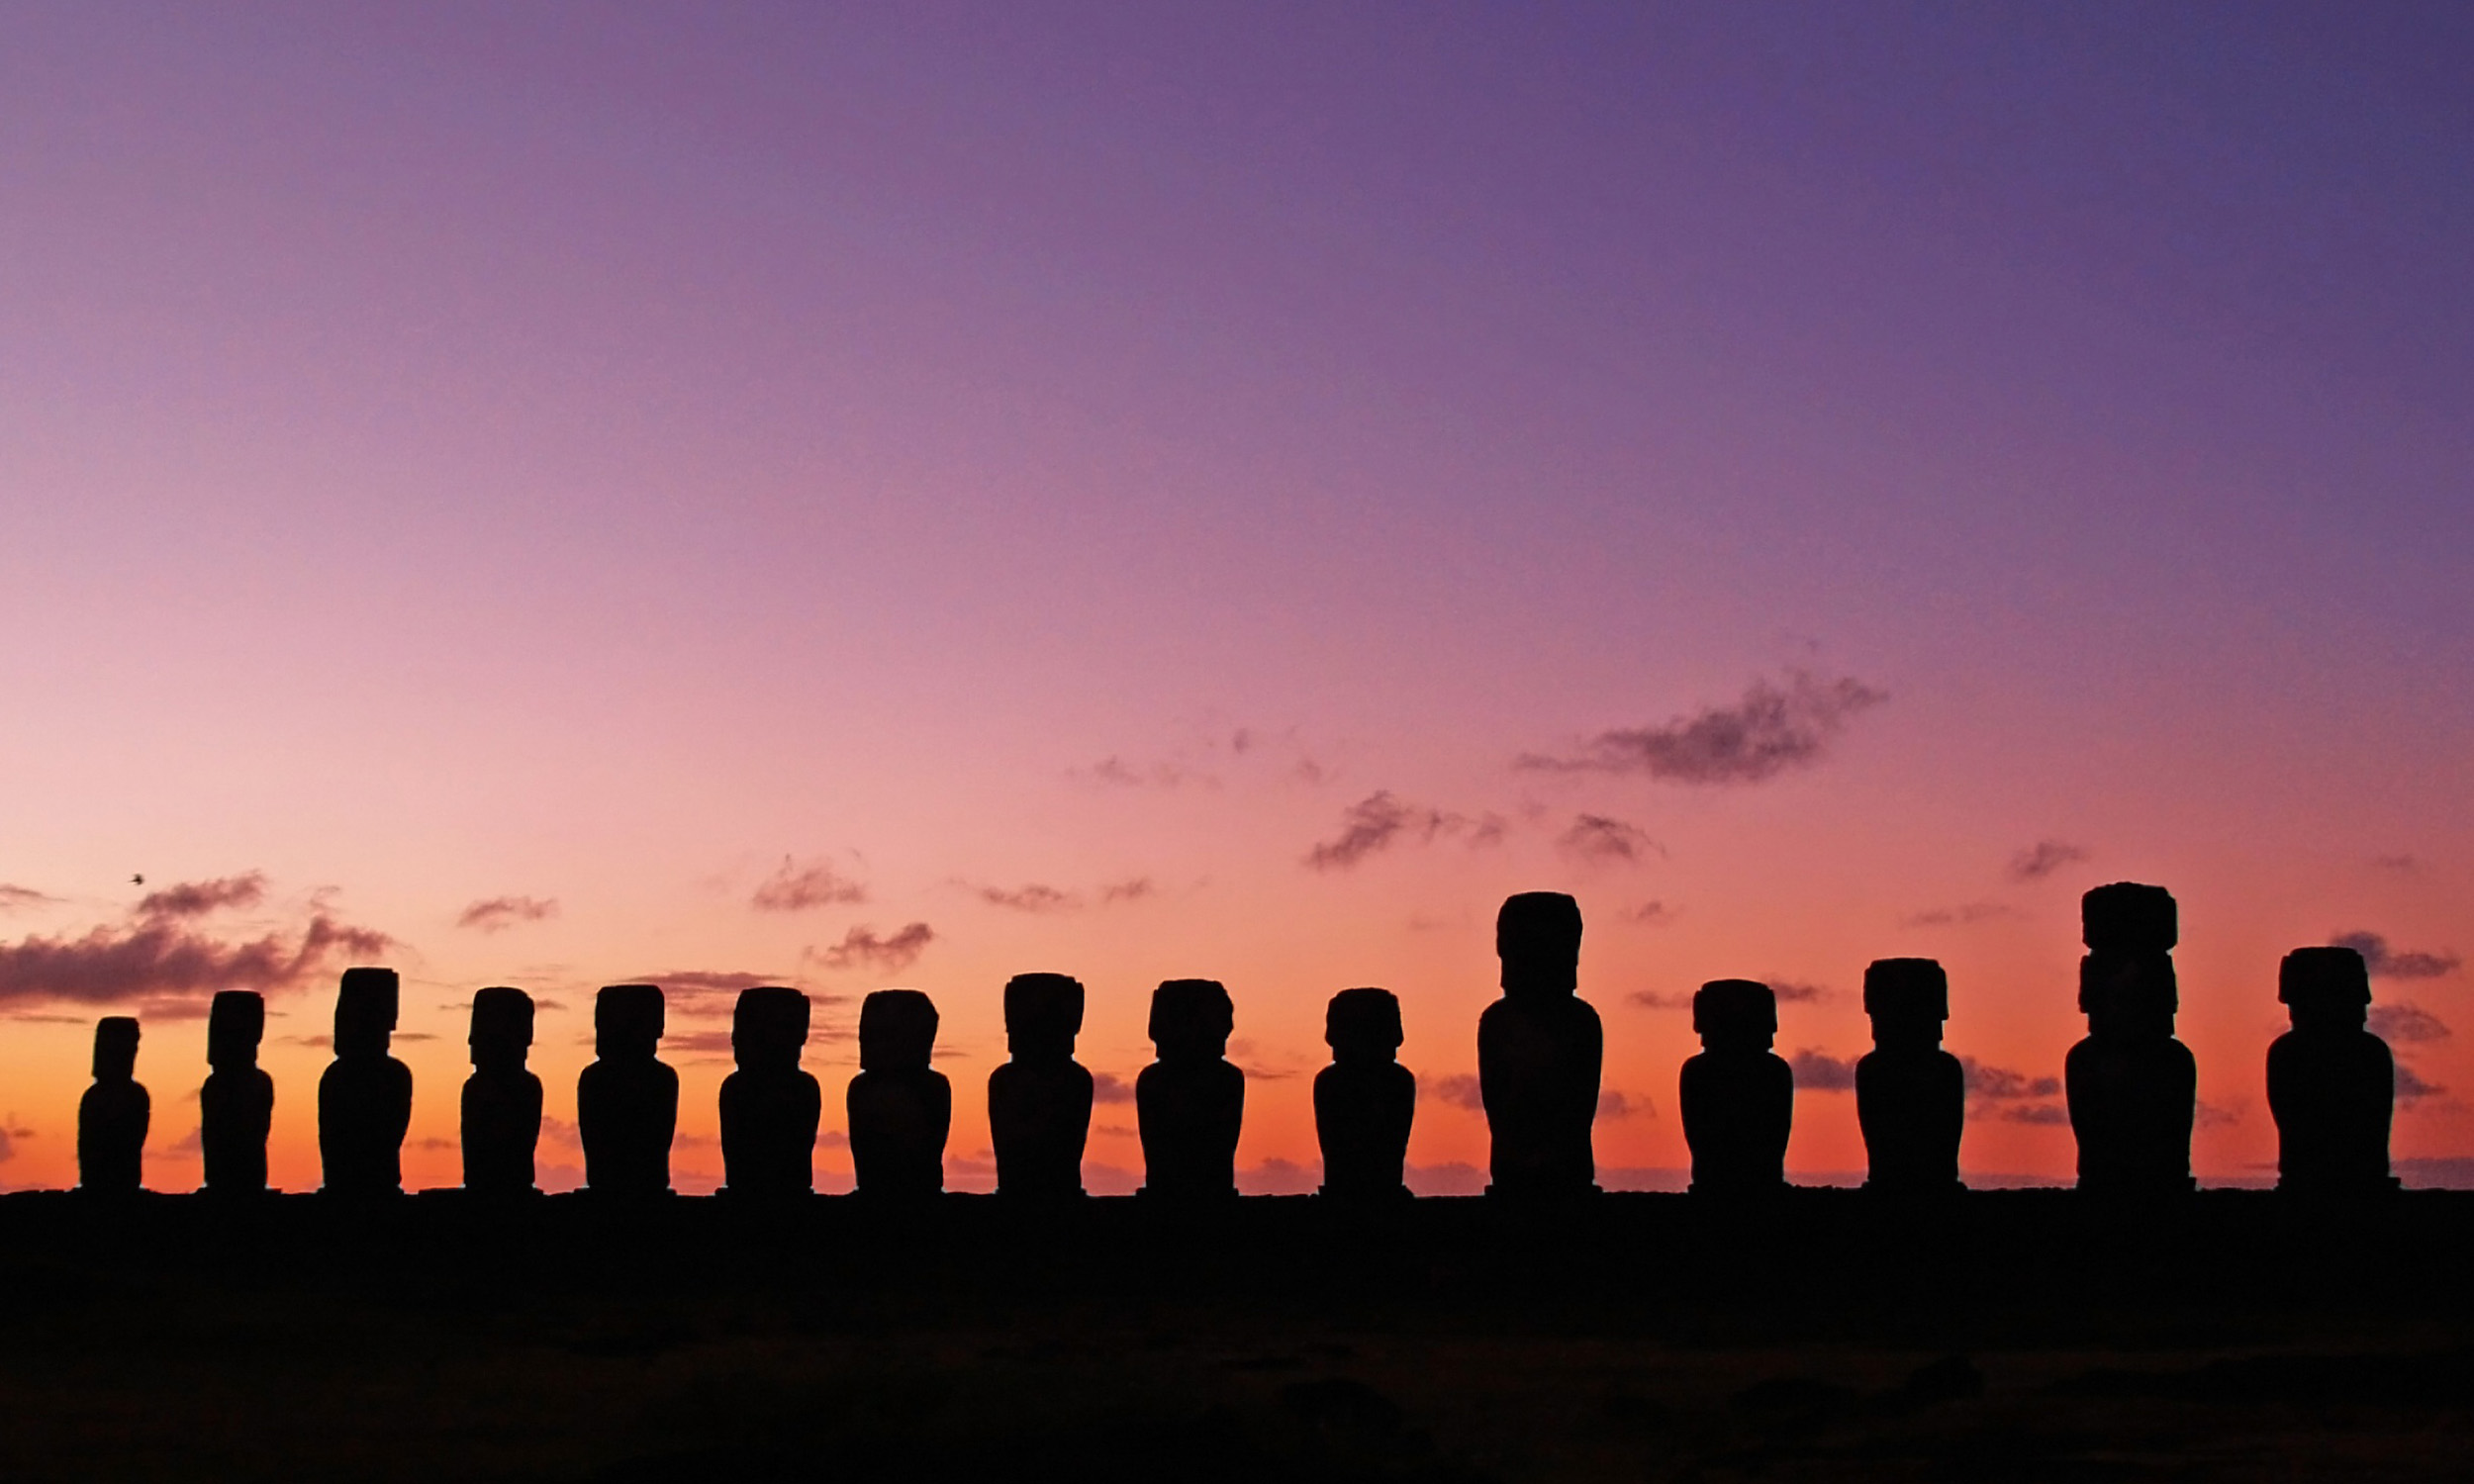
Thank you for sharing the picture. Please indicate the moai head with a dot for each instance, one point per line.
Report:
(115, 1048)
(1043, 1015)
(896, 1031)
(1907, 1000)
(236, 1021)
(2325, 988)
(1734, 1015)
(2127, 918)
(365, 1008)
(628, 1022)
(2127, 996)
(1363, 1025)
(501, 1027)
(1536, 935)
(768, 1027)
(1191, 1020)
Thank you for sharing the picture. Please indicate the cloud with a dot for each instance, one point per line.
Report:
(497, 913)
(692, 982)
(1601, 841)
(1650, 999)
(2042, 859)
(1039, 897)
(1461, 1091)
(711, 1043)
(14, 897)
(2001, 1085)
(10, 1134)
(1966, 914)
(1614, 1105)
(1277, 1176)
(1374, 823)
(1108, 1088)
(2208, 1116)
(2395, 963)
(1769, 731)
(795, 888)
(560, 1130)
(1453, 1179)
(197, 899)
(1649, 914)
(2411, 1089)
(2036, 1113)
(1790, 992)
(1132, 889)
(1116, 771)
(2401, 864)
(861, 946)
(2407, 1021)
(161, 962)
(1820, 1071)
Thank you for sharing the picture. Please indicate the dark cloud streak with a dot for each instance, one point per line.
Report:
(1773, 729)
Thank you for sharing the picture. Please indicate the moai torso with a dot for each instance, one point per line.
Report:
(1539, 1050)
(1365, 1101)
(1191, 1103)
(1738, 1098)
(1039, 1103)
(900, 1107)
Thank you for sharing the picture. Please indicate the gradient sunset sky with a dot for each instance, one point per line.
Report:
(909, 495)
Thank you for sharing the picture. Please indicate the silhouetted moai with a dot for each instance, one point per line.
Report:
(2331, 1083)
(1039, 1101)
(236, 1103)
(1539, 1051)
(900, 1107)
(112, 1116)
(1364, 1101)
(365, 1096)
(1737, 1097)
(1911, 1096)
(1191, 1103)
(2132, 1088)
(627, 1099)
(502, 1107)
(770, 1106)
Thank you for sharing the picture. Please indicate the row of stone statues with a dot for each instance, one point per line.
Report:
(2131, 1087)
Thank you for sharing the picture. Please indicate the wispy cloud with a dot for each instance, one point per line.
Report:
(1614, 1105)
(165, 962)
(2042, 859)
(1040, 897)
(864, 948)
(1108, 1088)
(793, 888)
(2411, 1089)
(2386, 962)
(1649, 914)
(1115, 772)
(2048, 1114)
(1820, 1071)
(1966, 914)
(1382, 820)
(1774, 728)
(14, 897)
(2001, 1085)
(2407, 1021)
(497, 914)
(198, 898)
(1652, 1000)
(1461, 1091)
(1602, 841)
(2403, 865)
(1791, 993)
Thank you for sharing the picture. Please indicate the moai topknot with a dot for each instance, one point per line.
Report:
(2132, 1088)
(1364, 1101)
(236, 1103)
(1911, 1096)
(1039, 1103)
(770, 1105)
(1737, 1097)
(900, 1107)
(365, 1096)
(627, 1099)
(1539, 1051)
(1191, 1103)
(2331, 1083)
(112, 1116)
(501, 1106)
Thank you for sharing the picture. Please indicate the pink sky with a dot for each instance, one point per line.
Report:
(597, 457)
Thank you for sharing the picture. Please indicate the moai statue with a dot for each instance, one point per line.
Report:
(1539, 1051)
(770, 1105)
(1911, 1096)
(1191, 1103)
(2132, 1088)
(1737, 1097)
(627, 1099)
(1039, 1101)
(237, 1104)
(112, 1116)
(1364, 1101)
(899, 1106)
(2331, 1083)
(365, 1096)
(502, 1109)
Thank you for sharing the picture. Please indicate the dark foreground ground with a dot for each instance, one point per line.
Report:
(2024, 1334)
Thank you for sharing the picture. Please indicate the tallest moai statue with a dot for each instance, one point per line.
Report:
(1539, 1053)
(2133, 1087)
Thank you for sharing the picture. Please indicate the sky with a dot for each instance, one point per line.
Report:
(874, 496)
